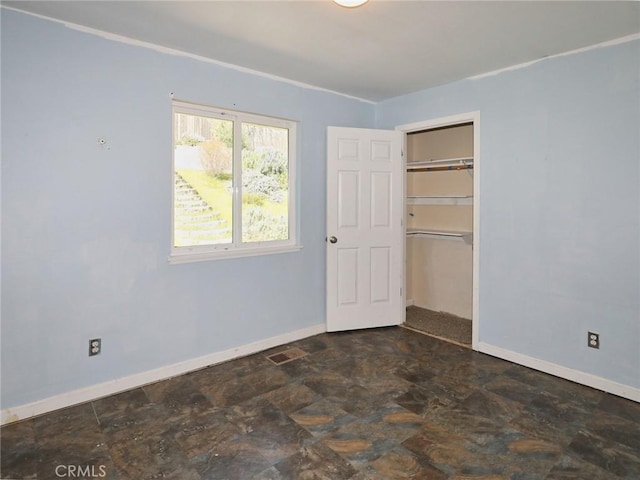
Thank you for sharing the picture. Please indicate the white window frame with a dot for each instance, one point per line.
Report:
(237, 248)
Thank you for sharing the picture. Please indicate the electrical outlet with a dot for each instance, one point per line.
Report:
(95, 346)
(593, 340)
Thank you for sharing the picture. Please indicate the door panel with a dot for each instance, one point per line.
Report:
(348, 188)
(347, 276)
(381, 199)
(380, 274)
(364, 217)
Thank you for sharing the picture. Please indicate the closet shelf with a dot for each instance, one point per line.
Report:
(440, 200)
(425, 232)
(442, 164)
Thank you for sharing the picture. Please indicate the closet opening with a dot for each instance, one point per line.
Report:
(441, 290)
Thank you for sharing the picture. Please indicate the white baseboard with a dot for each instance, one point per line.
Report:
(600, 383)
(409, 303)
(94, 392)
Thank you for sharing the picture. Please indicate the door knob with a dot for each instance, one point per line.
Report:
(333, 239)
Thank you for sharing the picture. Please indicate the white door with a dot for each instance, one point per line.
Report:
(365, 235)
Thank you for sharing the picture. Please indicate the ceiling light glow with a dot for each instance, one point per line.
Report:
(350, 3)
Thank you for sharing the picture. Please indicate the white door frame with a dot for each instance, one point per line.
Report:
(468, 117)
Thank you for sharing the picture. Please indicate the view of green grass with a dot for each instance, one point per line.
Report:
(217, 193)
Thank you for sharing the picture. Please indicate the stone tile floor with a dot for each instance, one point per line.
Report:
(375, 404)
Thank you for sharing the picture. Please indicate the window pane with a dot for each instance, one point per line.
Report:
(203, 156)
(265, 183)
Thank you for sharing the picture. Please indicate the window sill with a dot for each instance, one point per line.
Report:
(193, 257)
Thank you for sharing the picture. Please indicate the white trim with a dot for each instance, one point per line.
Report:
(469, 117)
(100, 390)
(609, 43)
(583, 378)
(172, 51)
(441, 122)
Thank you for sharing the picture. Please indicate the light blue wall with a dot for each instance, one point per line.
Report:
(560, 204)
(86, 230)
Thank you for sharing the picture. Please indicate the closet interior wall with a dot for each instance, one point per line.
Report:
(440, 221)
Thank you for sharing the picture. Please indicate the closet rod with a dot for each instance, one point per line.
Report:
(445, 160)
(440, 167)
(443, 164)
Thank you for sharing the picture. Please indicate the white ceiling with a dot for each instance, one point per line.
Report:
(377, 51)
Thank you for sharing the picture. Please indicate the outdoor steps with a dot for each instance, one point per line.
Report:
(194, 219)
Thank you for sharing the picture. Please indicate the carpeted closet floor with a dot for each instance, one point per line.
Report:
(441, 325)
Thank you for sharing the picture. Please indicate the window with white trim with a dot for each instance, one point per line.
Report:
(234, 184)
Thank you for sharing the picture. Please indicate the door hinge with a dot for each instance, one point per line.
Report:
(400, 291)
